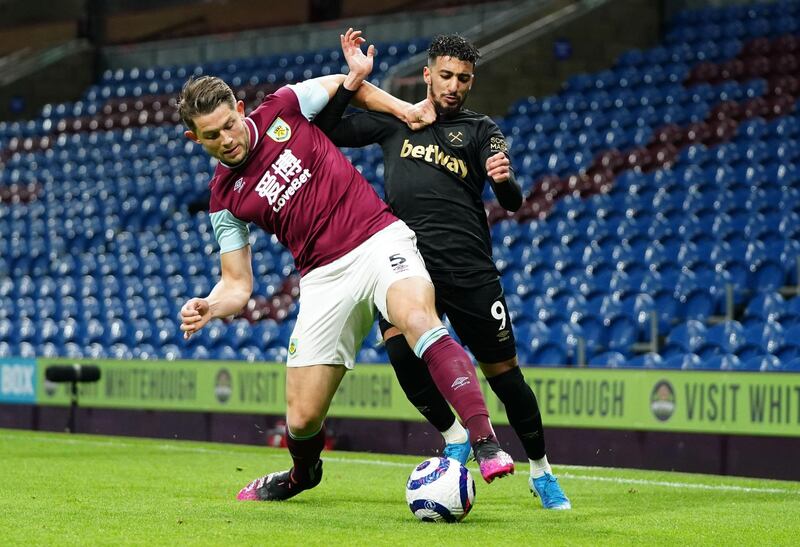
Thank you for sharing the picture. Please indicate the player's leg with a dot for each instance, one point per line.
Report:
(506, 380)
(409, 304)
(331, 326)
(480, 317)
(418, 385)
(404, 294)
(309, 391)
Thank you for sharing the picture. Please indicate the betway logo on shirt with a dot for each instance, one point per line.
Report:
(432, 154)
(292, 177)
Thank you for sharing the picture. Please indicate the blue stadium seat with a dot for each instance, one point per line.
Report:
(622, 333)
(766, 306)
(680, 361)
(687, 336)
(276, 354)
(120, 351)
(723, 338)
(646, 360)
(789, 349)
(790, 366)
(609, 359)
(775, 364)
(548, 353)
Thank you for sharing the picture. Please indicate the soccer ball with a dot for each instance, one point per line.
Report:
(440, 489)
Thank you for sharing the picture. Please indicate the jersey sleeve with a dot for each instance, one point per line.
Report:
(492, 142)
(362, 129)
(311, 96)
(509, 193)
(231, 233)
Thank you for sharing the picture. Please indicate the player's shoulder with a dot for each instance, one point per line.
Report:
(281, 102)
(278, 97)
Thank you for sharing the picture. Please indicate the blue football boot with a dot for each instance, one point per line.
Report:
(458, 451)
(549, 491)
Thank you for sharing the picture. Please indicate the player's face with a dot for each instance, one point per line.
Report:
(223, 133)
(449, 80)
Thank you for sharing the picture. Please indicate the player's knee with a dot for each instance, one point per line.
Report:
(495, 369)
(418, 321)
(304, 422)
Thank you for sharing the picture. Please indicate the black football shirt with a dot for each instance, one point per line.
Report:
(434, 180)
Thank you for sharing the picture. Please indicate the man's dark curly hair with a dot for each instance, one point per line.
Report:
(453, 45)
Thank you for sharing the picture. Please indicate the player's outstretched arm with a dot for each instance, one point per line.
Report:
(363, 94)
(227, 297)
(416, 116)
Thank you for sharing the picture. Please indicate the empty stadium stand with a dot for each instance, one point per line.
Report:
(659, 230)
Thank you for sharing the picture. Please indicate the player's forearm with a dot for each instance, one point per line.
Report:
(351, 81)
(227, 299)
(509, 193)
(370, 97)
(331, 115)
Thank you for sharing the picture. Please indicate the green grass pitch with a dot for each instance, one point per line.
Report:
(57, 489)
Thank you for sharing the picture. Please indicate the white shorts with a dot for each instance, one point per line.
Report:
(338, 300)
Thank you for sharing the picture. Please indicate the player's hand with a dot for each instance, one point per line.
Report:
(420, 115)
(360, 64)
(498, 167)
(194, 315)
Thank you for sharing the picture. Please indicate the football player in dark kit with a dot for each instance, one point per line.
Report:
(434, 181)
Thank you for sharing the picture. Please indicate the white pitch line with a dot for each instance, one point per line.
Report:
(123, 444)
(669, 484)
(384, 463)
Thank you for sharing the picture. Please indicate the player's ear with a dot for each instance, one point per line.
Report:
(240, 107)
(191, 136)
(426, 75)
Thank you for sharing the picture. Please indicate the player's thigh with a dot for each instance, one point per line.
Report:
(479, 316)
(334, 317)
(403, 289)
(309, 391)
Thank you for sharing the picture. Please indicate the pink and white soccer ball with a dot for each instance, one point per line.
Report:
(440, 490)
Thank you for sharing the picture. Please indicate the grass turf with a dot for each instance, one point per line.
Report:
(88, 490)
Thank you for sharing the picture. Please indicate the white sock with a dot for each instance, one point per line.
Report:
(456, 434)
(540, 467)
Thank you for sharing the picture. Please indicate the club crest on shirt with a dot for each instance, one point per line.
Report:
(279, 131)
(456, 136)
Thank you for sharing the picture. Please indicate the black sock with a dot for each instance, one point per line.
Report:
(417, 383)
(305, 455)
(522, 410)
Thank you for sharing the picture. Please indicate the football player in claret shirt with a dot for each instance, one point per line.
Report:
(281, 173)
(434, 180)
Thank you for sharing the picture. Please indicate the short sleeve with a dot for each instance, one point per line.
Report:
(231, 233)
(312, 97)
